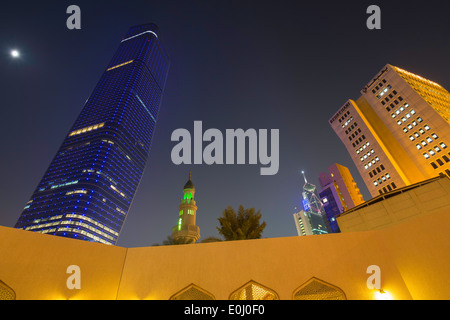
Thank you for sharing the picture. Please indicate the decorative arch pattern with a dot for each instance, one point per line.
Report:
(316, 289)
(6, 293)
(192, 292)
(254, 291)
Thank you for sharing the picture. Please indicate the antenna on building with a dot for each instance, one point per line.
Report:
(304, 177)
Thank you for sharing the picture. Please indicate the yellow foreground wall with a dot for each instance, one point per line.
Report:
(413, 257)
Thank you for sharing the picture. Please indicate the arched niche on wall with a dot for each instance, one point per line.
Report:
(192, 292)
(316, 289)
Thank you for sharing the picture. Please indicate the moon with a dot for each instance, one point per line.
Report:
(15, 53)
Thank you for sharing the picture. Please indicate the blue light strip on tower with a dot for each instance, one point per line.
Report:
(145, 107)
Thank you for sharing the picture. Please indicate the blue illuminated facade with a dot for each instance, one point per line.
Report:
(90, 184)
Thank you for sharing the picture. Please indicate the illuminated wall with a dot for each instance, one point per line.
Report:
(412, 255)
(398, 131)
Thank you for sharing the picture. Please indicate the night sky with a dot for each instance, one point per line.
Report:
(287, 65)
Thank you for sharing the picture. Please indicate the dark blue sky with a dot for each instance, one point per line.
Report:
(284, 65)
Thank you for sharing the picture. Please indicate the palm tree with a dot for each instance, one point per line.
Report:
(243, 225)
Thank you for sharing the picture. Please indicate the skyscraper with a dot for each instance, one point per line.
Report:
(186, 227)
(313, 209)
(339, 193)
(89, 186)
(398, 131)
(302, 223)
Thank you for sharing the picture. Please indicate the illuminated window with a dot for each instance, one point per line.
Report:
(411, 138)
(443, 145)
(418, 146)
(426, 155)
(437, 149)
(431, 152)
(435, 136)
(429, 140)
(426, 127)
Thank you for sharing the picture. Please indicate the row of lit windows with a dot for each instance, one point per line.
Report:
(87, 226)
(436, 148)
(120, 220)
(384, 91)
(432, 153)
(78, 216)
(368, 154)
(81, 191)
(87, 129)
(43, 206)
(381, 179)
(119, 65)
(347, 122)
(45, 225)
(406, 117)
(85, 233)
(417, 135)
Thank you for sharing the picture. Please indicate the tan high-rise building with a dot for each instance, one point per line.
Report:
(398, 131)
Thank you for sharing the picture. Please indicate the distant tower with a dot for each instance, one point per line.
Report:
(186, 227)
(339, 193)
(312, 207)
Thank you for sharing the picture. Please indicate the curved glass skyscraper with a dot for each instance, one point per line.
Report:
(89, 186)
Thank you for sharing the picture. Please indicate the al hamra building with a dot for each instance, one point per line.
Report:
(89, 186)
(398, 131)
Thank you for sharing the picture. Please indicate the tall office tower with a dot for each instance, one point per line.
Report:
(313, 208)
(302, 223)
(339, 193)
(398, 131)
(186, 228)
(89, 186)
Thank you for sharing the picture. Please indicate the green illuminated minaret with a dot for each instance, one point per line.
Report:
(186, 227)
